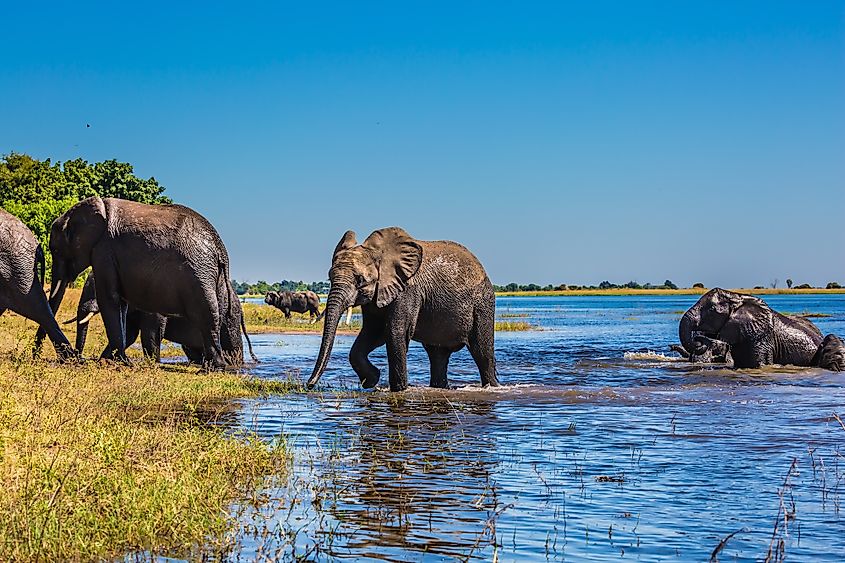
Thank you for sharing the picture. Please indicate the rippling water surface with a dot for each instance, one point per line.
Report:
(599, 445)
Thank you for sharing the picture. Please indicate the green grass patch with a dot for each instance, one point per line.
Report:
(260, 318)
(514, 315)
(810, 315)
(514, 326)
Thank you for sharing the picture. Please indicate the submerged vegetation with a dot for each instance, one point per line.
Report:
(98, 460)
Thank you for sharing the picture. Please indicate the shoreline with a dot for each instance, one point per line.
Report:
(633, 292)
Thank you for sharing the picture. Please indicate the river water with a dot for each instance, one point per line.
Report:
(599, 445)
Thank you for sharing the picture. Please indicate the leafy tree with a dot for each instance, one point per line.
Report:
(38, 191)
(789, 283)
(833, 285)
(698, 285)
(669, 285)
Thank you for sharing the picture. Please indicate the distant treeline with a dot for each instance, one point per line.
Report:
(514, 287)
(262, 287)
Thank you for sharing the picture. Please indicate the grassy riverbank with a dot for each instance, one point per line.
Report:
(98, 460)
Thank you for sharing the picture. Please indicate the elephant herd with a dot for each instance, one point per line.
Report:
(162, 271)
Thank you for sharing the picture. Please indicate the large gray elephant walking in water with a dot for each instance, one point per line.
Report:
(755, 334)
(22, 273)
(164, 259)
(434, 292)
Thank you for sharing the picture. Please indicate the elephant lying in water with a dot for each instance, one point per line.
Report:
(150, 326)
(756, 334)
(22, 272)
(434, 292)
(296, 301)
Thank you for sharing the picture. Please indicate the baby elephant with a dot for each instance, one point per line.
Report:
(434, 292)
(296, 301)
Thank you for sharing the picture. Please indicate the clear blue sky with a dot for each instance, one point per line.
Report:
(560, 142)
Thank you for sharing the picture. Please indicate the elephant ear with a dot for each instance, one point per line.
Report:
(346, 241)
(398, 257)
(85, 225)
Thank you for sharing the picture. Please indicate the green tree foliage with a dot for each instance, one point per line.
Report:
(38, 191)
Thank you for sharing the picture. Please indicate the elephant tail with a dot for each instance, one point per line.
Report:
(831, 354)
(248, 341)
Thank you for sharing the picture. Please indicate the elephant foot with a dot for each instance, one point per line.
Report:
(67, 354)
(370, 381)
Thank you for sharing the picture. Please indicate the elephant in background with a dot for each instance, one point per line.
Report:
(756, 334)
(295, 301)
(151, 327)
(22, 270)
(433, 292)
(163, 259)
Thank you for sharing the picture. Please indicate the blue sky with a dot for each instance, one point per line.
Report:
(562, 143)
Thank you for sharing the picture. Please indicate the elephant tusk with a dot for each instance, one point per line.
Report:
(86, 318)
(56, 288)
(67, 322)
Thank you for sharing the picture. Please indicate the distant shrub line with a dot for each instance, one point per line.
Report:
(262, 287)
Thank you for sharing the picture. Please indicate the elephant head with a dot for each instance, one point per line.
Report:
(72, 240)
(707, 317)
(376, 271)
(271, 298)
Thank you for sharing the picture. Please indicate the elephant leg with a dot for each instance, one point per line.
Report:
(114, 319)
(152, 328)
(287, 313)
(438, 357)
(481, 347)
(34, 306)
(207, 319)
(397, 358)
(193, 354)
(370, 338)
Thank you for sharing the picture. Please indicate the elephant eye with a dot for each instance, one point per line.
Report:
(359, 279)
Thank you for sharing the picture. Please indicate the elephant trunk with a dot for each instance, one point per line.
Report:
(688, 325)
(82, 331)
(337, 302)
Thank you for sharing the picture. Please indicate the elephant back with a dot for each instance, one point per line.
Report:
(17, 253)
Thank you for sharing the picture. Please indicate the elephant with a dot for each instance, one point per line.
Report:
(296, 301)
(707, 351)
(164, 259)
(22, 271)
(756, 334)
(152, 327)
(433, 292)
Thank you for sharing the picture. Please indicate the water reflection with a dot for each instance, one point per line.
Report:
(586, 453)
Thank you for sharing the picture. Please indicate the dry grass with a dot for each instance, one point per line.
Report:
(98, 460)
